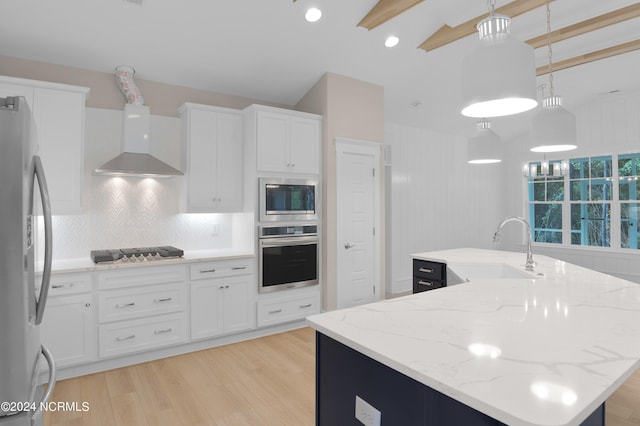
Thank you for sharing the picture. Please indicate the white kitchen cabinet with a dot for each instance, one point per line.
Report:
(212, 147)
(141, 308)
(220, 298)
(287, 308)
(68, 326)
(58, 111)
(286, 141)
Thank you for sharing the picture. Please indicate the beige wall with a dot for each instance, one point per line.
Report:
(162, 99)
(351, 109)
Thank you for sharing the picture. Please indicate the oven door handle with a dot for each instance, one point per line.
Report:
(293, 241)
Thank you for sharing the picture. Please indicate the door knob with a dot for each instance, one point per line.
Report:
(348, 245)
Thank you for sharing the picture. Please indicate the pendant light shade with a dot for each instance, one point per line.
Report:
(499, 77)
(485, 147)
(553, 129)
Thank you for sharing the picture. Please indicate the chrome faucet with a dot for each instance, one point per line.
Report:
(496, 238)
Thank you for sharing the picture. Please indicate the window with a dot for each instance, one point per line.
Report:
(590, 180)
(629, 195)
(546, 195)
(596, 204)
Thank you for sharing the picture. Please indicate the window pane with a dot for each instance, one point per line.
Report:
(539, 190)
(629, 165)
(547, 223)
(579, 190)
(629, 235)
(628, 171)
(555, 190)
(593, 220)
(600, 189)
(579, 168)
(600, 167)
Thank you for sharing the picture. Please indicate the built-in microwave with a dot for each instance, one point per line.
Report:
(288, 199)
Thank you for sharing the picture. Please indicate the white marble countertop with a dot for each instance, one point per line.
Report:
(547, 350)
(85, 264)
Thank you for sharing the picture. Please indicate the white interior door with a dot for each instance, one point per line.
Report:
(357, 215)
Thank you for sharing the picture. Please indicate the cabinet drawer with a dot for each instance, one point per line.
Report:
(62, 284)
(222, 268)
(425, 284)
(289, 309)
(140, 275)
(141, 301)
(429, 270)
(138, 335)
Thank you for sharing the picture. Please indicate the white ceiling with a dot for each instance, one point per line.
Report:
(264, 49)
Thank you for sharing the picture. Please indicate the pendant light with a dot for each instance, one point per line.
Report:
(553, 129)
(485, 147)
(499, 77)
(546, 169)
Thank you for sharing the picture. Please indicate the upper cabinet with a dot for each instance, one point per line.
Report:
(212, 142)
(286, 141)
(58, 112)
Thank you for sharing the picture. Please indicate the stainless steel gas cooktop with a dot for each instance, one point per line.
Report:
(136, 254)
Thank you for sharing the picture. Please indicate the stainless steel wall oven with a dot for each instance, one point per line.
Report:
(288, 257)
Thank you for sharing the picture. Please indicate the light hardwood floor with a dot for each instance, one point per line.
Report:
(266, 381)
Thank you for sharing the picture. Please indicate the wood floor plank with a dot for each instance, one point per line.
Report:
(268, 381)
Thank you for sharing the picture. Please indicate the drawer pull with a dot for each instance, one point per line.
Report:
(207, 271)
(166, 299)
(125, 305)
(308, 305)
(61, 285)
(238, 268)
(429, 283)
(277, 311)
(427, 270)
(129, 337)
(166, 330)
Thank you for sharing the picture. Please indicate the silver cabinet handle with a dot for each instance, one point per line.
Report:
(429, 283)
(166, 299)
(129, 337)
(238, 268)
(427, 270)
(348, 246)
(166, 330)
(55, 286)
(207, 271)
(125, 305)
(308, 305)
(277, 311)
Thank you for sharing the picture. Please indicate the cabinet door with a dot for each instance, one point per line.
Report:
(305, 145)
(202, 157)
(68, 329)
(272, 142)
(206, 308)
(229, 162)
(59, 116)
(236, 304)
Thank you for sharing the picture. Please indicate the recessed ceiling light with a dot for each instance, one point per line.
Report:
(313, 14)
(391, 41)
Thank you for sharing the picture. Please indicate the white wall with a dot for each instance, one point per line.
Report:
(133, 212)
(436, 200)
(609, 124)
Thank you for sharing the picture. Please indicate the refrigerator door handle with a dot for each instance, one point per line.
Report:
(48, 240)
(50, 385)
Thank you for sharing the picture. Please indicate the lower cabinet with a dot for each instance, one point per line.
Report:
(68, 327)
(287, 308)
(219, 306)
(145, 316)
(428, 275)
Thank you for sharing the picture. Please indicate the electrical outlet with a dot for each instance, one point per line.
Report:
(215, 228)
(367, 413)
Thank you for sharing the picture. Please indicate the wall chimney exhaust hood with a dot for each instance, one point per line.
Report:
(135, 159)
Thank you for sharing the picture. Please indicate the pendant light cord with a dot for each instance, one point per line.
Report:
(491, 5)
(550, 50)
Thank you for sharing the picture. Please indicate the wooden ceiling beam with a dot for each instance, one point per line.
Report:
(591, 57)
(385, 10)
(589, 25)
(447, 34)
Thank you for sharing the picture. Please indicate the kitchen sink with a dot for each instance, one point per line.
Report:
(458, 273)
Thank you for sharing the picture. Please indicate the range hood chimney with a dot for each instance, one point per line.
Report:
(135, 159)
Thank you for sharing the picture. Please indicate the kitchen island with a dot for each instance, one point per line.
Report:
(544, 348)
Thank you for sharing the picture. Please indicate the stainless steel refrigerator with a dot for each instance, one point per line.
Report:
(24, 202)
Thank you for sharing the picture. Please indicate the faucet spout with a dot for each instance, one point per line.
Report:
(496, 238)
